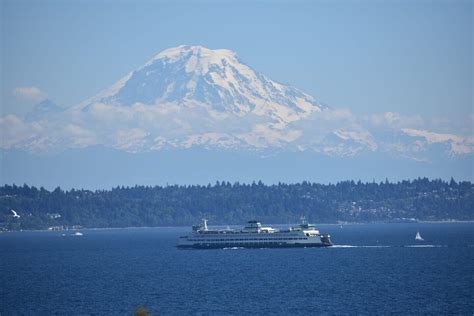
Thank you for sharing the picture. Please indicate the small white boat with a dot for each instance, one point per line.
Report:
(78, 234)
(418, 236)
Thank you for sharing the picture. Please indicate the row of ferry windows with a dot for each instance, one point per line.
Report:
(248, 239)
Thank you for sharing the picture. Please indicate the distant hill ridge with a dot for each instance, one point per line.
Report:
(226, 203)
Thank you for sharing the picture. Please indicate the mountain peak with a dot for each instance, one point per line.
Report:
(196, 50)
(214, 79)
(199, 59)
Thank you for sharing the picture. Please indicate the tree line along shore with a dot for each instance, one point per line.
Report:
(223, 203)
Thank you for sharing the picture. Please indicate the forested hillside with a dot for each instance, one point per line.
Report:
(226, 203)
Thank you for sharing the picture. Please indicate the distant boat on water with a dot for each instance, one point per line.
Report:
(418, 236)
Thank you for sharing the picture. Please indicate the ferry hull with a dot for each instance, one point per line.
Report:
(235, 245)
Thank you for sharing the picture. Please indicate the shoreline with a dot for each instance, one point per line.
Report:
(169, 227)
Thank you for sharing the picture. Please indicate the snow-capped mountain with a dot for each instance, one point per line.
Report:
(217, 80)
(191, 96)
(196, 112)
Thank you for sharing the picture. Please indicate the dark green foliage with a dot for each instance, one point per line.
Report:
(225, 203)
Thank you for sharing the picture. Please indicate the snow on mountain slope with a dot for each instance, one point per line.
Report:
(195, 76)
(192, 96)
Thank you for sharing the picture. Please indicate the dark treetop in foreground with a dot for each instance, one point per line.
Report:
(226, 203)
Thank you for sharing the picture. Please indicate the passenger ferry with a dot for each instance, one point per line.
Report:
(254, 235)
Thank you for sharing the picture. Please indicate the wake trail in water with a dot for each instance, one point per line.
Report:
(354, 246)
(385, 246)
(424, 246)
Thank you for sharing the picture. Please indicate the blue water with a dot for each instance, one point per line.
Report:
(374, 269)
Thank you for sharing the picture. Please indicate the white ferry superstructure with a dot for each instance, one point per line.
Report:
(254, 235)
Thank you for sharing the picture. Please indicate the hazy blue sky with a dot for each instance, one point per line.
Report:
(414, 57)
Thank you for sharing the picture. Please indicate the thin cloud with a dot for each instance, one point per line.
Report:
(141, 128)
(459, 145)
(30, 93)
(361, 137)
(132, 140)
